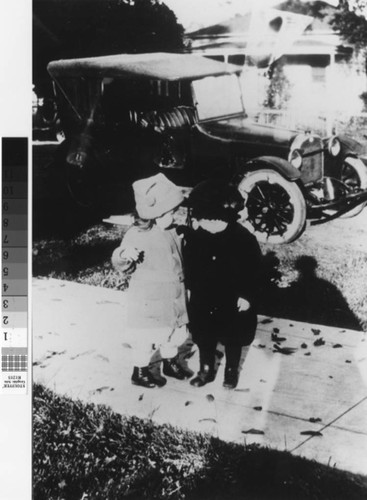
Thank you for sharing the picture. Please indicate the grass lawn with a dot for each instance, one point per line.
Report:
(86, 452)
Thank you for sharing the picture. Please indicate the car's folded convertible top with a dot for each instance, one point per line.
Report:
(159, 66)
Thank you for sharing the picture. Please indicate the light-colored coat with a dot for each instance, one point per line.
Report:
(156, 296)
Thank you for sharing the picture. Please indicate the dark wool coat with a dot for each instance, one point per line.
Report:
(219, 269)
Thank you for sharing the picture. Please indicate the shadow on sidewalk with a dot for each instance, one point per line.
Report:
(310, 298)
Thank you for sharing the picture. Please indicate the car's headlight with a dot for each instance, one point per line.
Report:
(295, 158)
(334, 146)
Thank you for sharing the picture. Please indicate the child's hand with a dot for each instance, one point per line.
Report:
(131, 254)
(243, 304)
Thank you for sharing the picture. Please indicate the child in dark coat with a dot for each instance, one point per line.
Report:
(222, 263)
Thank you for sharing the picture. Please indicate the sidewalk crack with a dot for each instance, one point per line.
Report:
(330, 423)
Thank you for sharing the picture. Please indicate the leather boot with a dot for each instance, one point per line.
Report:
(230, 377)
(172, 368)
(204, 376)
(154, 375)
(185, 369)
(141, 377)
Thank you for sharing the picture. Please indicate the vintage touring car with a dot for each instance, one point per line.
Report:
(130, 115)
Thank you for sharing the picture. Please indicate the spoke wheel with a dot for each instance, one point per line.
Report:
(354, 177)
(276, 209)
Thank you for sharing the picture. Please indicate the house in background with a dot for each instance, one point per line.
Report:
(323, 75)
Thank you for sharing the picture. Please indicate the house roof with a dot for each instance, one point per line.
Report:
(160, 66)
(236, 24)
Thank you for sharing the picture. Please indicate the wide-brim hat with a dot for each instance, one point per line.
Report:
(155, 196)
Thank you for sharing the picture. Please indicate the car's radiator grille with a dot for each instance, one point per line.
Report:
(312, 168)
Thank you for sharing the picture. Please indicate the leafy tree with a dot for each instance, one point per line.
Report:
(350, 22)
(314, 9)
(278, 91)
(82, 28)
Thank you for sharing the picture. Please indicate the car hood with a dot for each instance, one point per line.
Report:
(244, 130)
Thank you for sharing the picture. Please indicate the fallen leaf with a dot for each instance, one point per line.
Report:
(319, 342)
(330, 376)
(276, 338)
(100, 389)
(188, 403)
(276, 330)
(258, 408)
(315, 331)
(125, 344)
(348, 361)
(103, 358)
(307, 354)
(253, 431)
(263, 381)
(336, 346)
(304, 345)
(266, 320)
(141, 397)
(210, 397)
(284, 350)
(311, 433)
(315, 420)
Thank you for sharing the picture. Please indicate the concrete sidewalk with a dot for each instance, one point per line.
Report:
(312, 402)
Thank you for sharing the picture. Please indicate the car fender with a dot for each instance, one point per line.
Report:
(350, 146)
(283, 167)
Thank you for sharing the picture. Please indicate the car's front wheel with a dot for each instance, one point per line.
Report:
(276, 208)
(354, 177)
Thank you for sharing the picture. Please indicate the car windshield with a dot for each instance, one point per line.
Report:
(218, 96)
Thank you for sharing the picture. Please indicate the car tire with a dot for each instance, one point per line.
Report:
(275, 207)
(354, 176)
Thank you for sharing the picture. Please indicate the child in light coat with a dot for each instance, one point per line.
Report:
(156, 298)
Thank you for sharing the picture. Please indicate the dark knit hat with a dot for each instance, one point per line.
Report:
(215, 199)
